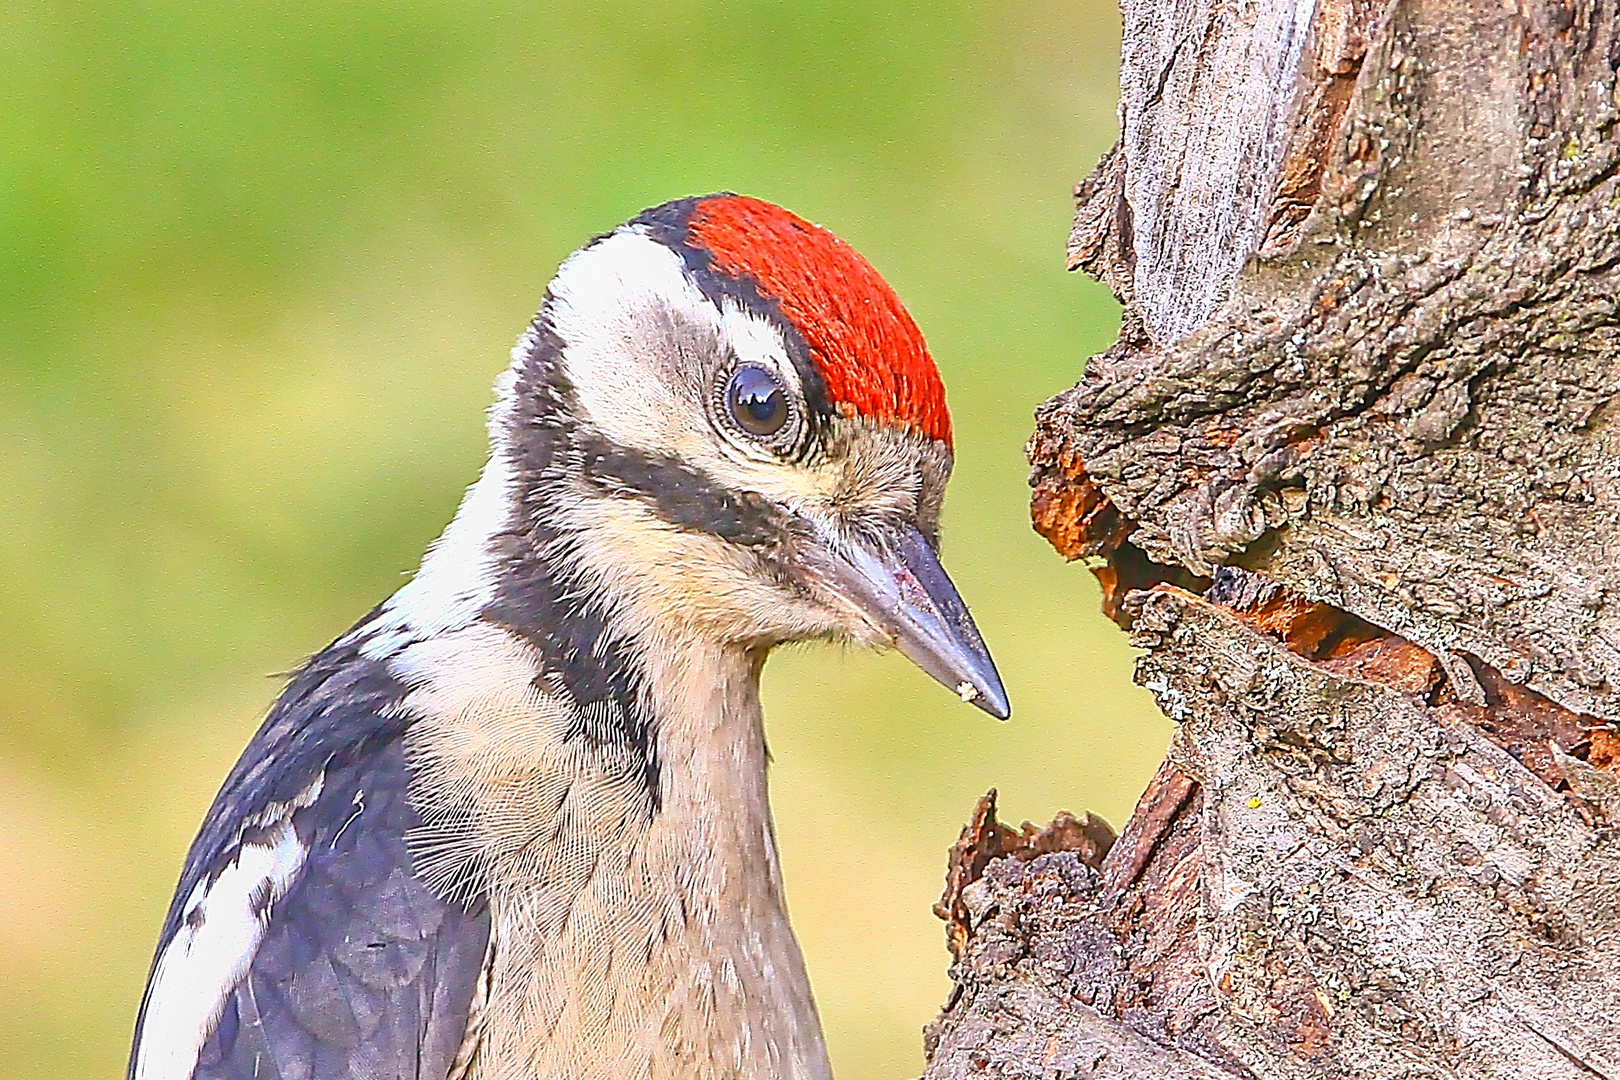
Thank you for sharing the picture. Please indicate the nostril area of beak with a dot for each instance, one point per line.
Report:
(899, 586)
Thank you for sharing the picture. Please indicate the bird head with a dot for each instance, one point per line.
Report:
(722, 425)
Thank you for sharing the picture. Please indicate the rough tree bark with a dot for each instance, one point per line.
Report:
(1351, 477)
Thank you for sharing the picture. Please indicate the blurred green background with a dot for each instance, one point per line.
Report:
(259, 264)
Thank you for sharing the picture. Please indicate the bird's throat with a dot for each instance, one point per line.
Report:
(632, 936)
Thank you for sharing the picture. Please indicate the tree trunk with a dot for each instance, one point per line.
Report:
(1351, 476)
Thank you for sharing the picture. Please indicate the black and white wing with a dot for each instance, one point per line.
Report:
(300, 945)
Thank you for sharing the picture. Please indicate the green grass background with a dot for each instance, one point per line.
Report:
(259, 264)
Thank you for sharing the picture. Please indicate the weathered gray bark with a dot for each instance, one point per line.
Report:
(1351, 475)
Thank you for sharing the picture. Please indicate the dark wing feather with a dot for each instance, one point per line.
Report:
(362, 971)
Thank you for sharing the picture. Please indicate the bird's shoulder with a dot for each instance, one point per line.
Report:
(301, 941)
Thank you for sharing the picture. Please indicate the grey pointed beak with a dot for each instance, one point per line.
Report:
(899, 587)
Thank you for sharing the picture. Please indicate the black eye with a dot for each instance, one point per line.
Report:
(756, 401)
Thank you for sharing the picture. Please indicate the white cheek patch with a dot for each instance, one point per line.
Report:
(605, 298)
(608, 298)
(219, 935)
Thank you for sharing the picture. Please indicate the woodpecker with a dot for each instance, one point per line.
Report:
(514, 824)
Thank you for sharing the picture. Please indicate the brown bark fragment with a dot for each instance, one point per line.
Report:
(1090, 838)
(1069, 510)
(985, 839)
(1338, 46)
(1170, 796)
(1100, 241)
(982, 839)
(1075, 517)
(1605, 750)
(1299, 623)
(1536, 731)
(1387, 659)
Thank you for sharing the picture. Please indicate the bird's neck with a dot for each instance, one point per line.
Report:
(600, 760)
(632, 936)
(712, 758)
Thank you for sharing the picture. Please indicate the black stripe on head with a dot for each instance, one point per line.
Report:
(685, 497)
(668, 224)
(539, 596)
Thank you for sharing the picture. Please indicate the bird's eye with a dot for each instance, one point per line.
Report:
(756, 401)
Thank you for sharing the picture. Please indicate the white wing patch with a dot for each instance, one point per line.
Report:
(219, 934)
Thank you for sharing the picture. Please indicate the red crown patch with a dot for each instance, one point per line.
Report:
(862, 340)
